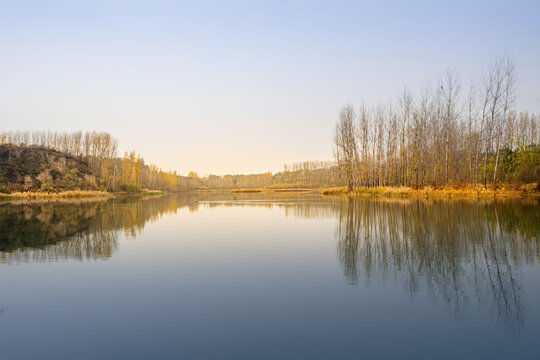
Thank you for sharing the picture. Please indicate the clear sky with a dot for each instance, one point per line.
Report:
(241, 86)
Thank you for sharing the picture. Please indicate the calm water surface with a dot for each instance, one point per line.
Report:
(253, 276)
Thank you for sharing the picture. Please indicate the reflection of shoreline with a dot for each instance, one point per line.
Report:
(78, 247)
(88, 229)
(82, 229)
(448, 249)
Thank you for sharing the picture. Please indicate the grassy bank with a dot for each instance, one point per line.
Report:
(61, 194)
(71, 194)
(465, 191)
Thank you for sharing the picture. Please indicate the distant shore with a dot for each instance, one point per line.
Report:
(529, 190)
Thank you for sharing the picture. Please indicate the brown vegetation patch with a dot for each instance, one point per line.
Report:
(342, 190)
(465, 191)
(62, 194)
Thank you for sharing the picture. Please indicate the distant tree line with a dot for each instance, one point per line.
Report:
(442, 137)
(307, 174)
(131, 173)
(100, 149)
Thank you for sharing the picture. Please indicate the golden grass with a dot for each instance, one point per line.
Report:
(382, 190)
(290, 190)
(58, 200)
(481, 191)
(146, 191)
(247, 191)
(342, 190)
(62, 194)
(463, 191)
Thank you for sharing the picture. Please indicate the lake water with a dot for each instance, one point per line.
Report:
(255, 276)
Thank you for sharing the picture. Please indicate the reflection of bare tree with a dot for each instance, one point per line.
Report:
(449, 247)
(502, 271)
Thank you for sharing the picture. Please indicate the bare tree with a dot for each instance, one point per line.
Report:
(345, 144)
(450, 89)
(504, 70)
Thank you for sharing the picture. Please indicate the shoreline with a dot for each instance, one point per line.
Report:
(464, 192)
(375, 192)
(528, 191)
(32, 195)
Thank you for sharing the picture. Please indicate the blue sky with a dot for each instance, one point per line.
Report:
(242, 86)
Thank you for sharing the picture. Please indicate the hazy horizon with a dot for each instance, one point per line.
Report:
(236, 87)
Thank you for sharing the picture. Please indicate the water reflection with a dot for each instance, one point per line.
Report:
(450, 249)
(74, 229)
